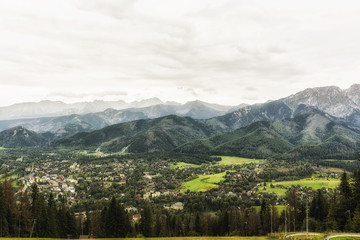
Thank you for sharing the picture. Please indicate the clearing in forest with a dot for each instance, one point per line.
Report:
(203, 183)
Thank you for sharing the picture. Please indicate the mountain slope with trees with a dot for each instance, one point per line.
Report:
(149, 135)
(310, 133)
(19, 137)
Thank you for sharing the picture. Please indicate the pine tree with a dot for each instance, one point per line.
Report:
(4, 229)
(320, 206)
(356, 220)
(158, 229)
(146, 220)
(111, 222)
(124, 222)
(293, 208)
(356, 187)
(11, 208)
(52, 212)
(25, 213)
(265, 217)
(345, 189)
(197, 225)
(62, 220)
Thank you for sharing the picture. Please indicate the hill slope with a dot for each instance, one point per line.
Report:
(19, 137)
(70, 124)
(147, 135)
(310, 133)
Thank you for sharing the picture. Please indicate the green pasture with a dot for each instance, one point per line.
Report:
(86, 153)
(337, 160)
(229, 160)
(314, 183)
(203, 183)
(181, 165)
(277, 191)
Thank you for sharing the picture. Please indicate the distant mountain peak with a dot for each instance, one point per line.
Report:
(331, 99)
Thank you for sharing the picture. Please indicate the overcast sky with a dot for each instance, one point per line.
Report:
(228, 52)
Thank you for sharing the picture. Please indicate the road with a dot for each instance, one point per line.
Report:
(329, 236)
(302, 233)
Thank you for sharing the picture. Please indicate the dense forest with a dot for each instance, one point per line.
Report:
(26, 214)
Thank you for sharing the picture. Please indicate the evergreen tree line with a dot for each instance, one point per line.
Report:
(32, 214)
(113, 221)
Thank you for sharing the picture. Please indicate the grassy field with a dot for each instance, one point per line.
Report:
(314, 183)
(228, 160)
(203, 183)
(172, 238)
(337, 160)
(91, 153)
(182, 165)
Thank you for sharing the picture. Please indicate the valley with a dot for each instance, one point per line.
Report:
(177, 175)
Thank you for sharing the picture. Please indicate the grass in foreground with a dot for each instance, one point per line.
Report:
(203, 183)
(228, 160)
(311, 237)
(172, 238)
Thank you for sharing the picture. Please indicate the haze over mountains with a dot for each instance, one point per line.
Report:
(323, 121)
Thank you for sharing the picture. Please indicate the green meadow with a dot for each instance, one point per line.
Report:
(314, 183)
(228, 160)
(181, 165)
(91, 153)
(203, 183)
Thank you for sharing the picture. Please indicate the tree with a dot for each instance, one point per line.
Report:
(318, 207)
(345, 189)
(25, 214)
(265, 217)
(111, 222)
(356, 187)
(52, 211)
(197, 227)
(293, 208)
(4, 228)
(39, 213)
(356, 220)
(11, 208)
(146, 220)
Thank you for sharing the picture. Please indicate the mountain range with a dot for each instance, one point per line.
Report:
(316, 122)
(70, 124)
(310, 132)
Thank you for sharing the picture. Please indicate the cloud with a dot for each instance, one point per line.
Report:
(219, 50)
(250, 88)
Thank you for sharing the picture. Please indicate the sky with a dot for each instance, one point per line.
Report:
(226, 52)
